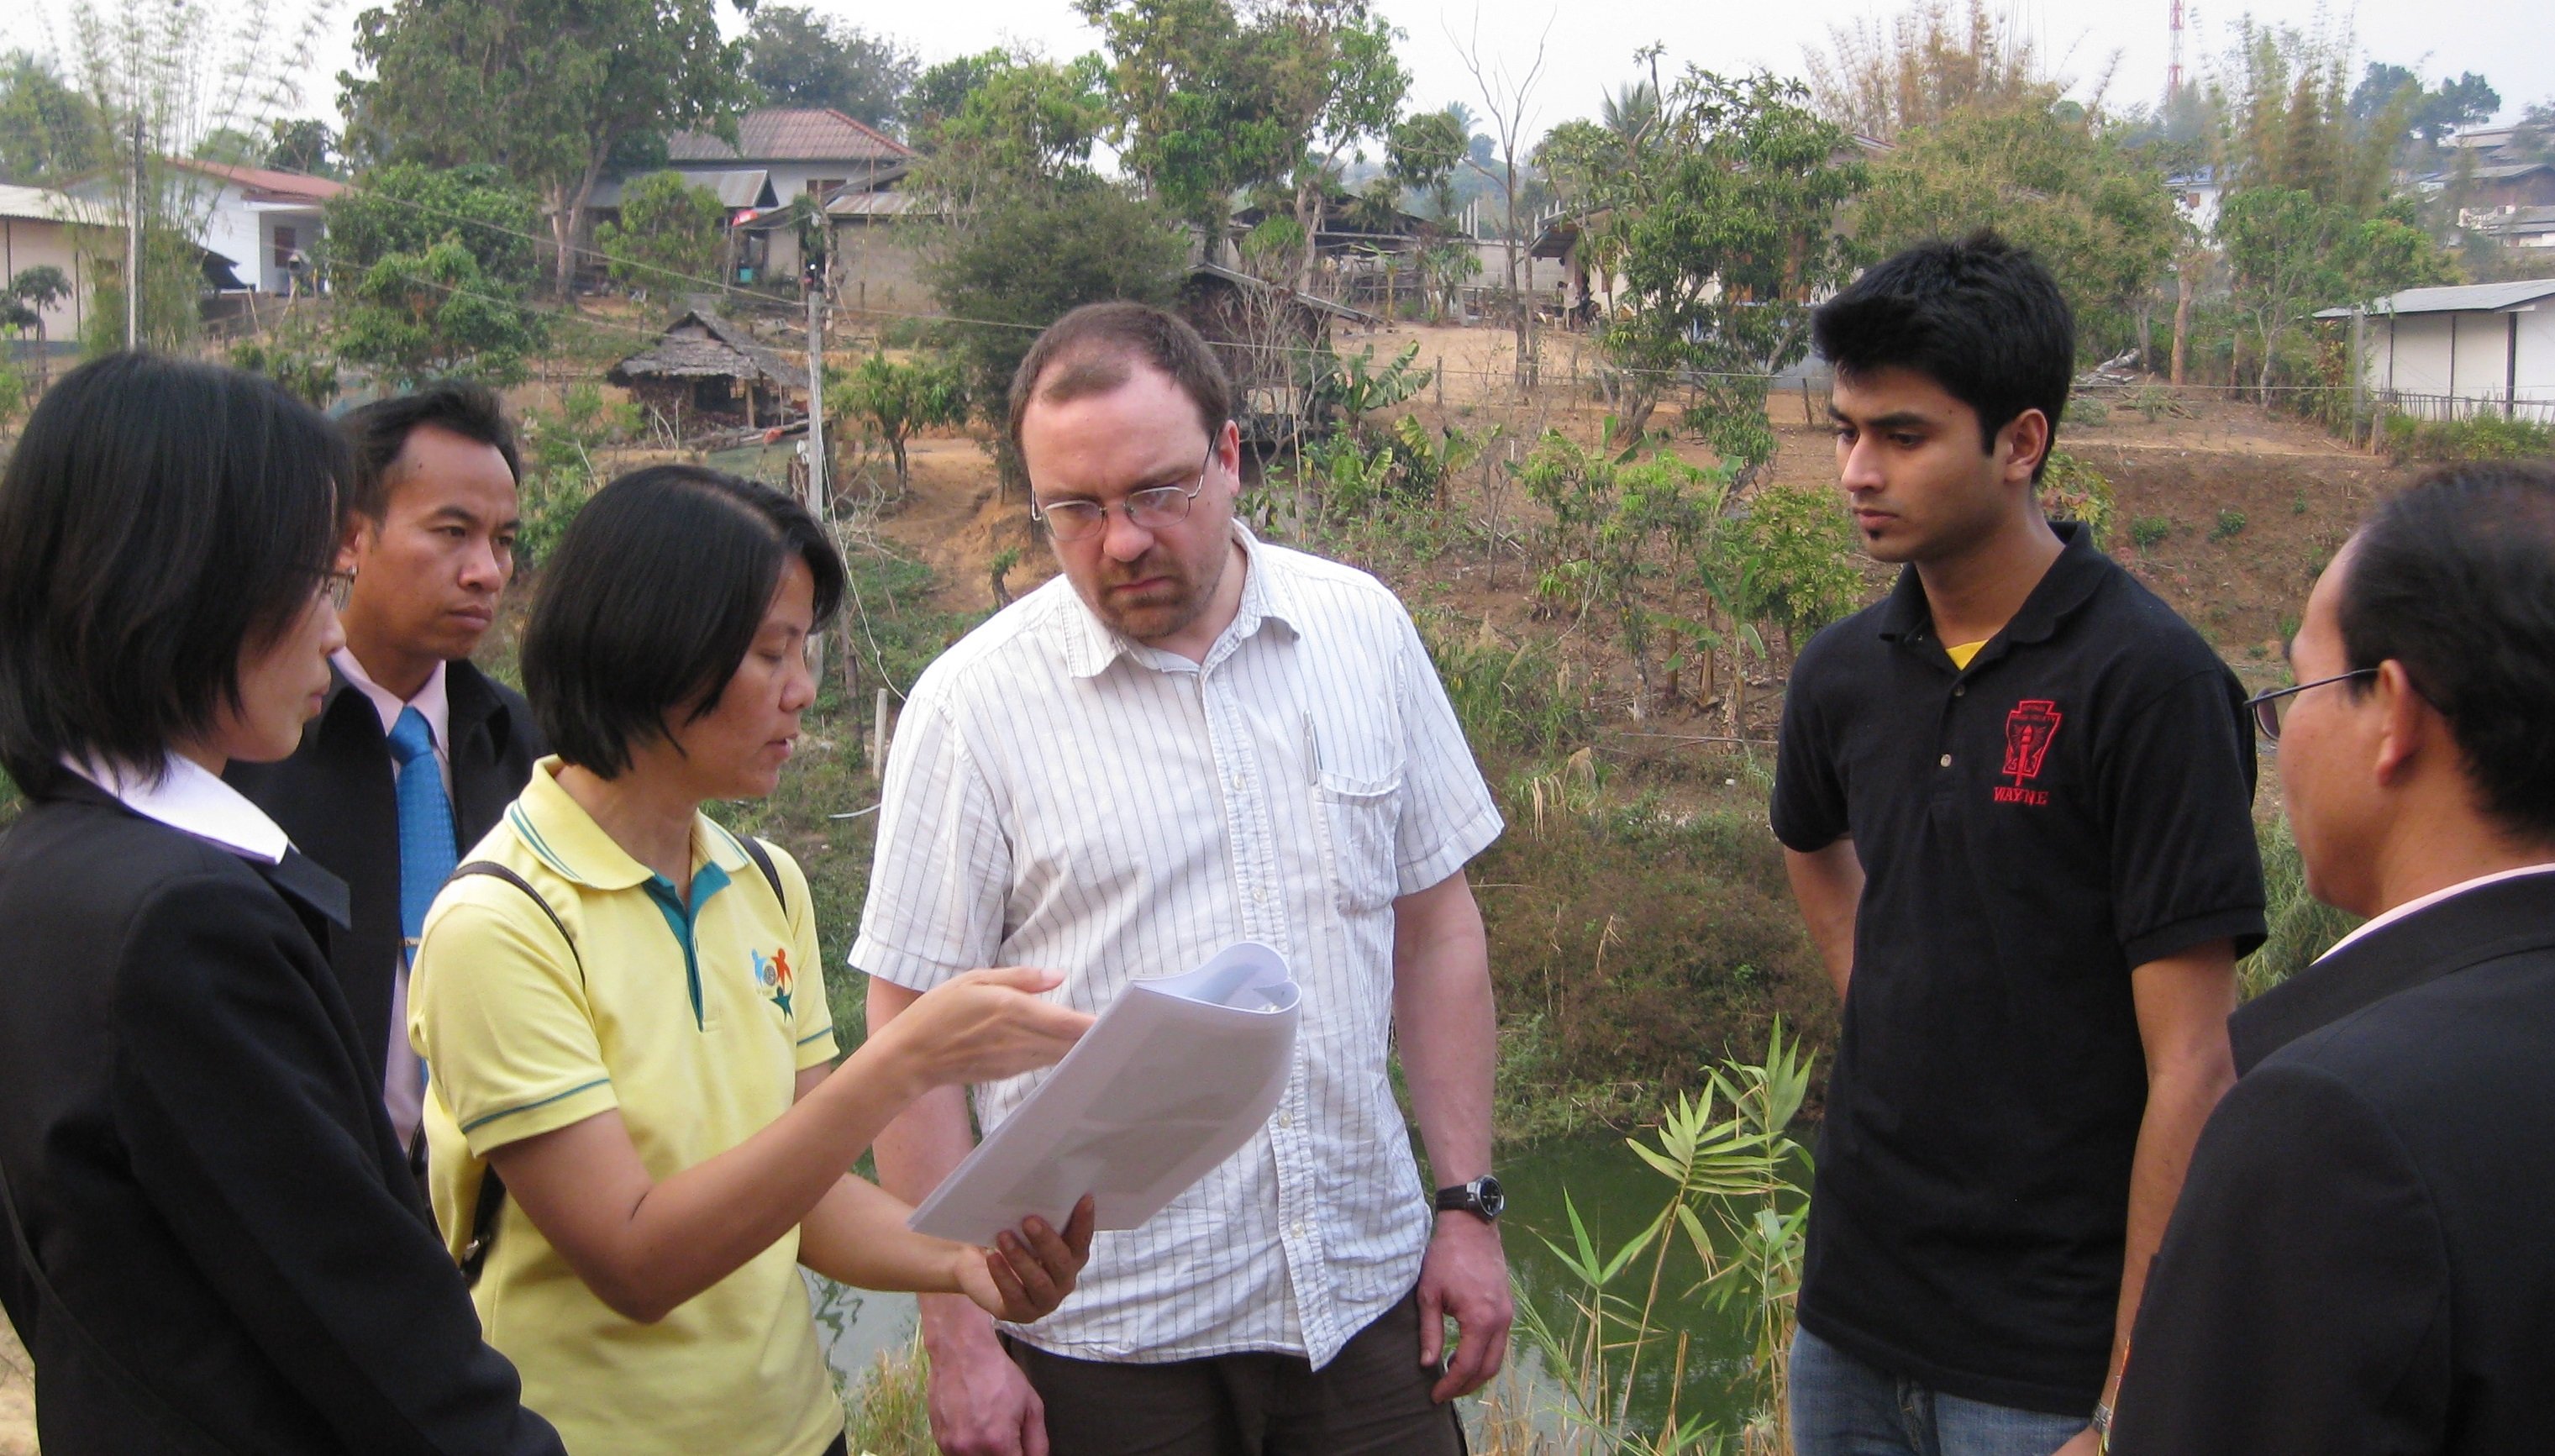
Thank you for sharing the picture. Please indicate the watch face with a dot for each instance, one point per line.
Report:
(1493, 1200)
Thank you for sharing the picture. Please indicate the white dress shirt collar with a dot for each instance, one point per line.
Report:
(1090, 645)
(432, 701)
(2412, 908)
(194, 801)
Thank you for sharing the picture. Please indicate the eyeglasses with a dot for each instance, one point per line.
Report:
(336, 588)
(2266, 706)
(1161, 506)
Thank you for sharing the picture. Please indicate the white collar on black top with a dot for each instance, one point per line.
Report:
(194, 801)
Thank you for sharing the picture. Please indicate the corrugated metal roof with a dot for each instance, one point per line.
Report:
(881, 205)
(43, 204)
(265, 183)
(745, 188)
(2470, 297)
(791, 134)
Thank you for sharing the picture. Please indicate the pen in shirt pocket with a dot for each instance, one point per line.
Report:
(1313, 753)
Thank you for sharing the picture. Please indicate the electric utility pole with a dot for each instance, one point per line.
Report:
(133, 245)
(816, 493)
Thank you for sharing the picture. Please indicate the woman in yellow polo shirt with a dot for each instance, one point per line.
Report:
(621, 1008)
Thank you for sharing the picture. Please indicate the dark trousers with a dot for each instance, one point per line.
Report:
(1372, 1400)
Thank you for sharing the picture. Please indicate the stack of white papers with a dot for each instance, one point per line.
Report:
(1176, 1076)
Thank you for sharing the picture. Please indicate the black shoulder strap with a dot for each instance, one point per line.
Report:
(761, 858)
(181, 1432)
(492, 1188)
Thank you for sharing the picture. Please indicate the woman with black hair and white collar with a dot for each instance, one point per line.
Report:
(214, 1241)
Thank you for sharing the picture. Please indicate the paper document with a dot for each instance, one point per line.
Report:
(1174, 1077)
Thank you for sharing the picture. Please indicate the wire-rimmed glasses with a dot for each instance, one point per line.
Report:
(2266, 706)
(1152, 510)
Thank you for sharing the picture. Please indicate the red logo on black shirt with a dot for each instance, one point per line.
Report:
(2027, 732)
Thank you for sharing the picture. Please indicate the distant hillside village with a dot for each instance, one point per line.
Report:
(2294, 219)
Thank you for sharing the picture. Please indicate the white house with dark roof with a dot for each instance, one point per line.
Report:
(265, 223)
(2474, 348)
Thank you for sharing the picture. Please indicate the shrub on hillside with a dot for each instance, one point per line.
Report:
(2486, 437)
(2071, 490)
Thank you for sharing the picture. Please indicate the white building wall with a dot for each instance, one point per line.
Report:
(2537, 361)
(2413, 361)
(2482, 355)
(29, 242)
(2412, 356)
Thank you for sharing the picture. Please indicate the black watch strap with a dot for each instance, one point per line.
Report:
(1481, 1197)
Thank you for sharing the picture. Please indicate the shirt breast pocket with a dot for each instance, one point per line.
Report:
(1360, 822)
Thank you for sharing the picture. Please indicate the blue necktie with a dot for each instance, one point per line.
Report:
(425, 838)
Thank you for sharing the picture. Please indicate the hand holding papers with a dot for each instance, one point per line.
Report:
(1174, 1078)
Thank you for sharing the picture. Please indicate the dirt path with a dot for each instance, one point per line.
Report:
(17, 1397)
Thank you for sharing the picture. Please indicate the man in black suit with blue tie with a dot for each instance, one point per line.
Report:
(417, 752)
(2360, 1260)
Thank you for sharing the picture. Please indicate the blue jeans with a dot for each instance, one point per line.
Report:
(1842, 1407)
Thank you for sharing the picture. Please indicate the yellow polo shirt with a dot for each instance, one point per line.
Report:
(693, 1019)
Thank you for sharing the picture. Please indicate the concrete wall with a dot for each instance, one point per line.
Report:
(27, 242)
(877, 265)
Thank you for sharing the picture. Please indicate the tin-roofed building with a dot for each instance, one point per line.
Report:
(2446, 353)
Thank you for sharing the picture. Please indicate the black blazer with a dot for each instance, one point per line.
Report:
(196, 1145)
(337, 796)
(2363, 1260)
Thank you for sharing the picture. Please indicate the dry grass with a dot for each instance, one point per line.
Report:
(888, 1412)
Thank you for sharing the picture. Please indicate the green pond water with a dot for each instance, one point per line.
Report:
(1617, 1195)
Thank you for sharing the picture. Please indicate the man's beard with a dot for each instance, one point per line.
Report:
(1161, 612)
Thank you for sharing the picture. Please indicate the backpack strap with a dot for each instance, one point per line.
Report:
(492, 1188)
(761, 858)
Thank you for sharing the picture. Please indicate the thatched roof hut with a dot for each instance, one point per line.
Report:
(706, 368)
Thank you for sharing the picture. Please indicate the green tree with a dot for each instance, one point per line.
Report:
(1200, 109)
(1019, 123)
(799, 57)
(669, 234)
(302, 144)
(1723, 245)
(2050, 179)
(409, 207)
(2289, 254)
(894, 401)
(1422, 153)
(32, 290)
(1028, 255)
(941, 91)
(552, 90)
(419, 317)
(49, 131)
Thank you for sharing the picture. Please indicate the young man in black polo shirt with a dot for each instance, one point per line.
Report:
(2014, 801)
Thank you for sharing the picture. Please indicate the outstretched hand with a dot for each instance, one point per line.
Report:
(1028, 1273)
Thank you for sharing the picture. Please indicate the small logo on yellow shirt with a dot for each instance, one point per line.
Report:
(771, 973)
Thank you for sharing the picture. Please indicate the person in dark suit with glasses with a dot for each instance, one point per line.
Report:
(2359, 1262)
(213, 1241)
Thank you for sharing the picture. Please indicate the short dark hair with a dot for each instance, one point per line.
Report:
(1092, 349)
(380, 431)
(1980, 317)
(2454, 578)
(159, 518)
(653, 598)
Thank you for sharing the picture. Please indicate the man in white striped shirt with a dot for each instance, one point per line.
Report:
(1192, 738)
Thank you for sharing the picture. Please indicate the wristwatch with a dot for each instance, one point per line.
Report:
(1481, 1197)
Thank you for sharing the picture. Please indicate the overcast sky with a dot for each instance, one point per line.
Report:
(1589, 43)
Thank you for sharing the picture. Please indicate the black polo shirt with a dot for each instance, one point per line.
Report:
(2074, 804)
